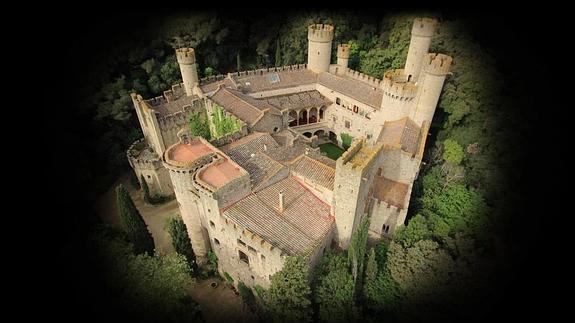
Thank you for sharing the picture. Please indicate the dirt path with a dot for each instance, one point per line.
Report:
(220, 304)
(155, 216)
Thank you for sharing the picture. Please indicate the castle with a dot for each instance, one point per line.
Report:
(265, 191)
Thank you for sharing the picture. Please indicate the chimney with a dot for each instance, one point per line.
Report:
(265, 147)
(281, 202)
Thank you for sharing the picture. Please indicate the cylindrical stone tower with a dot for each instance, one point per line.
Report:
(421, 33)
(343, 55)
(187, 60)
(319, 38)
(435, 69)
(182, 163)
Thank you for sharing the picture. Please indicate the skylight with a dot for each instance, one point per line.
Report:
(273, 78)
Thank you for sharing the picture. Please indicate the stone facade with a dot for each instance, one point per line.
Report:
(263, 192)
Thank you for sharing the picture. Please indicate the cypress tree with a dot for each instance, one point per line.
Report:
(238, 62)
(146, 189)
(133, 223)
(181, 241)
(278, 54)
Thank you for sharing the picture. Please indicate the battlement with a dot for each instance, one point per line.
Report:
(212, 78)
(437, 64)
(141, 156)
(359, 155)
(424, 27)
(343, 50)
(395, 84)
(186, 56)
(263, 71)
(363, 77)
(320, 33)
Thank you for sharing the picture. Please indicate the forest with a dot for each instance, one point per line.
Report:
(451, 258)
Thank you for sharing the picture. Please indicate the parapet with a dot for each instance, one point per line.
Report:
(359, 155)
(437, 64)
(343, 51)
(186, 55)
(320, 33)
(395, 84)
(424, 27)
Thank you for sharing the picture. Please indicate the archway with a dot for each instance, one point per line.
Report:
(333, 137)
(313, 115)
(322, 113)
(293, 117)
(307, 134)
(320, 133)
(302, 117)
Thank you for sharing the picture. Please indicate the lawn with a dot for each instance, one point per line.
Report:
(332, 151)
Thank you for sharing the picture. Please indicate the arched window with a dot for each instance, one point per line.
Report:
(243, 257)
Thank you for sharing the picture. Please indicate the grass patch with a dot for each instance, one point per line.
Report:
(332, 151)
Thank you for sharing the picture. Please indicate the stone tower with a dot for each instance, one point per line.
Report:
(435, 69)
(187, 60)
(354, 173)
(421, 34)
(343, 55)
(319, 38)
(189, 201)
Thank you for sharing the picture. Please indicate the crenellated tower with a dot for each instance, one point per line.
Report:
(343, 55)
(435, 69)
(319, 38)
(354, 173)
(421, 33)
(187, 61)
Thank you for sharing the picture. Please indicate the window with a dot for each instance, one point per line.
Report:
(241, 242)
(368, 136)
(385, 228)
(337, 101)
(334, 119)
(273, 78)
(212, 224)
(355, 108)
(348, 124)
(149, 176)
(217, 242)
(209, 210)
(263, 258)
(243, 257)
(276, 129)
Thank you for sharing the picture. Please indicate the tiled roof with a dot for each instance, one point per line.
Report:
(241, 150)
(288, 78)
(212, 86)
(317, 172)
(236, 105)
(298, 100)
(174, 106)
(404, 132)
(297, 230)
(392, 192)
(356, 89)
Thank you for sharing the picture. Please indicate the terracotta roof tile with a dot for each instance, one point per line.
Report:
(356, 89)
(390, 191)
(403, 132)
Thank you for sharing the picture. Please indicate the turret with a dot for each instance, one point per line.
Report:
(319, 38)
(187, 60)
(421, 34)
(343, 55)
(435, 69)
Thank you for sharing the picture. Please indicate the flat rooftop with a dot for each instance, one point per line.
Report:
(187, 153)
(221, 173)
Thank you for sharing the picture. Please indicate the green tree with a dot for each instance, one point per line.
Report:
(346, 140)
(246, 293)
(453, 152)
(238, 63)
(278, 53)
(181, 242)
(356, 252)
(145, 188)
(199, 126)
(133, 223)
(288, 298)
(370, 275)
(143, 286)
(335, 296)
